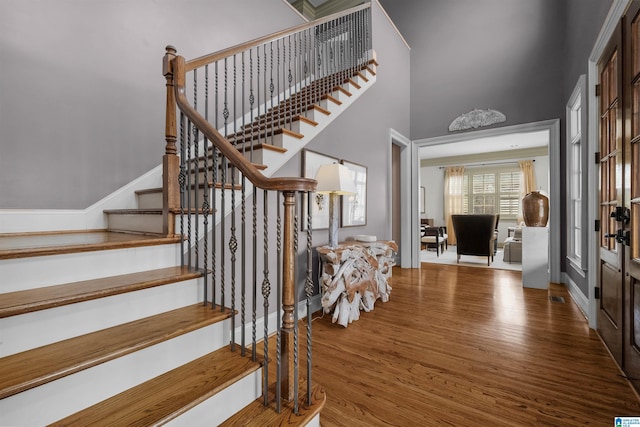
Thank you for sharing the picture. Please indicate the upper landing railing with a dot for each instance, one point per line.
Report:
(240, 227)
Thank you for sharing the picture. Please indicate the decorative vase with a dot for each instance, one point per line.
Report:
(535, 209)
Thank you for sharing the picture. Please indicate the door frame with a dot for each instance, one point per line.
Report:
(616, 12)
(553, 127)
(406, 198)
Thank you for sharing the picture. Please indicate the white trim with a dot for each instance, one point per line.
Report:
(408, 255)
(616, 12)
(553, 127)
(576, 294)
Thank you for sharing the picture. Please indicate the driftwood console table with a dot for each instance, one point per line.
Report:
(353, 276)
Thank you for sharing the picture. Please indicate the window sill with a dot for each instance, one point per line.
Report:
(575, 264)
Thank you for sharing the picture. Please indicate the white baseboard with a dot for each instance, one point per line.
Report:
(576, 294)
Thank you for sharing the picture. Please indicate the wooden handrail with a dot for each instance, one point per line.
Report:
(212, 57)
(225, 147)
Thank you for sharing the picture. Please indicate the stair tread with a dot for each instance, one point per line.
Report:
(30, 300)
(257, 415)
(38, 244)
(168, 395)
(38, 366)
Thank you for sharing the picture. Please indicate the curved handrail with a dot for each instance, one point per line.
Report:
(212, 57)
(225, 147)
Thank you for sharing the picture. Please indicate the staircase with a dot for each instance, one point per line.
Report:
(130, 325)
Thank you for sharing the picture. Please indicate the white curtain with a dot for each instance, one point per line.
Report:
(453, 197)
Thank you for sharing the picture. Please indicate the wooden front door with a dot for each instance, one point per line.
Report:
(610, 314)
(619, 161)
(631, 226)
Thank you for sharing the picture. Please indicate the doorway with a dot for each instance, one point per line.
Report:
(552, 127)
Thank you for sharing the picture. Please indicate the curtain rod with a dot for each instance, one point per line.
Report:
(486, 164)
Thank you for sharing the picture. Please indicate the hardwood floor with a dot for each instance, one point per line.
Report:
(463, 346)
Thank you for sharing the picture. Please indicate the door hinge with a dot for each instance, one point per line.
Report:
(597, 293)
(598, 90)
(597, 225)
(597, 157)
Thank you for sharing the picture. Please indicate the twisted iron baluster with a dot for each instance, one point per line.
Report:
(290, 80)
(182, 182)
(223, 183)
(233, 241)
(266, 291)
(296, 380)
(254, 332)
(278, 304)
(189, 186)
(195, 170)
(243, 266)
(271, 89)
(252, 98)
(215, 167)
(205, 202)
(308, 290)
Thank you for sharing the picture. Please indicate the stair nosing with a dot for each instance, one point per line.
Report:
(86, 290)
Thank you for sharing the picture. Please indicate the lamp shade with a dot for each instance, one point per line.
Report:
(335, 178)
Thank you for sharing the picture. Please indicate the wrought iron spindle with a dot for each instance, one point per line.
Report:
(205, 202)
(296, 375)
(223, 182)
(233, 240)
(243, 264)
(308, 290)
(278, 304)
(195, 171)
(266, 291)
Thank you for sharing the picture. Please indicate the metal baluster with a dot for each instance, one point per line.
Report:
(233, 241)
(308, 290)
(182, 182)
(296, 379)
(188, 189)
(195, 170)
(278, 305)
(290, 80)
(251, 101)
(254, 336)
(274, 113)
(266, 291)
(205, 203)
(215, 168)
(243, 265)
(223, 183)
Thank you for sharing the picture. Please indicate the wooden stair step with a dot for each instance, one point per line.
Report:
(258, 415)
(261, 126)
(38, 366)
(22, 245)
(235, 140)
(266, 118)
(169, 395)
(30, 300)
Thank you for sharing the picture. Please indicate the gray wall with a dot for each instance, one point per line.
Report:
(360, 134)
(466, 54)
(82, 91)
(584, 20)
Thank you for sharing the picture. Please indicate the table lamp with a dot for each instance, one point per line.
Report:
(335, 180)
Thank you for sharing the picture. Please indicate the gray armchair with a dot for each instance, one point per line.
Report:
(475, 235)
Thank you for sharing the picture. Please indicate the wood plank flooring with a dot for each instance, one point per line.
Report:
(463, 346)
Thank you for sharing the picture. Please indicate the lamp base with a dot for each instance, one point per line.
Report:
(333, 220)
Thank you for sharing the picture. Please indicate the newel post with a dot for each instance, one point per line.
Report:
(287, 348)
(170, 160)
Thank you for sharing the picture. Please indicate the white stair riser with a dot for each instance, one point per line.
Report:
(67, 395)
(223, 405)
(36, 272)
(31, 330)
(150, 201)
(139, 223)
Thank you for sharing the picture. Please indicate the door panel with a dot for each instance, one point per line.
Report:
(611, 309)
